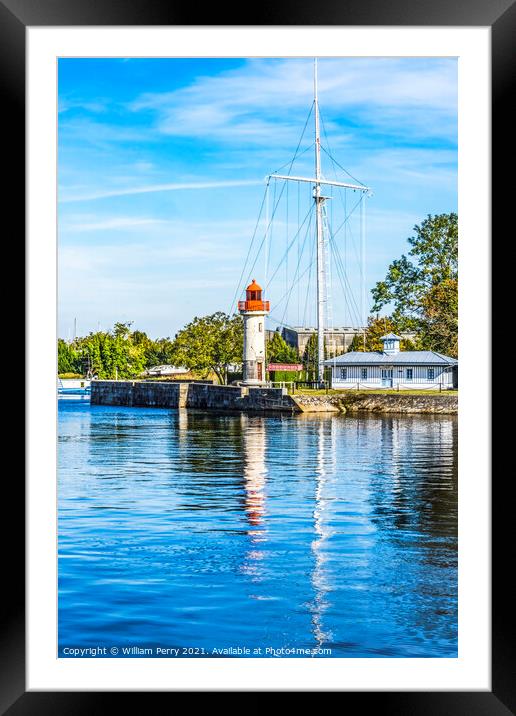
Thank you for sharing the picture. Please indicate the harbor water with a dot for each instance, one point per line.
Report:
(185, 533)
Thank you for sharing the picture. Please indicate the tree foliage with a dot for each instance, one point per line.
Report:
(422, 287)
(376, 328)
(68, 358)
(118, 352)
(210, 343)
(310, 354)
(112, 354)
(441, 309)
(279, 351)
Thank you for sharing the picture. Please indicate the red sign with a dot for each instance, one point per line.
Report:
(293, 367)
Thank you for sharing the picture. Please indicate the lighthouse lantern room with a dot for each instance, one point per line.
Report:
(253, 310)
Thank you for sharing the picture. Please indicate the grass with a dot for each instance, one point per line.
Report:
(373, 391)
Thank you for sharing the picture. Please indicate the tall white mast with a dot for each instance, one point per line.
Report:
(317, 181)
(321, 277)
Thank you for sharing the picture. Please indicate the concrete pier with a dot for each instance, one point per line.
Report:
(190, 395)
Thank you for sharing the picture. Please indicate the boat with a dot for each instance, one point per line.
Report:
(73, 387)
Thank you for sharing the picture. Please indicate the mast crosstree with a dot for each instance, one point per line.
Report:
(318, 180)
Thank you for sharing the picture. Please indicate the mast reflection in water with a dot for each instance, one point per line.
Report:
(190, 529)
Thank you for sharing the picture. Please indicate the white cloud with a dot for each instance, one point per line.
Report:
(258, 100)
(153, 188)
(119, 222)
(68, 103)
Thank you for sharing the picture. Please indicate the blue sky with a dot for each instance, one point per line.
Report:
(161, 167)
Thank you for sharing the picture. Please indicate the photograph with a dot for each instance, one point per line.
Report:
(258, 357)
(256, 246)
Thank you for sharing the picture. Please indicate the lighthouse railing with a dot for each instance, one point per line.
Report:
(253, 306)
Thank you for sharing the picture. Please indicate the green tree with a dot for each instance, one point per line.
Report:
(210, 343)
(310, 354)
(91, 349)
(422, 288)
(279, 351)
(159, 352)
(441, 310)
(376, 328)
(111, 354)
(128, 358)
(122, 330)
(68, 358)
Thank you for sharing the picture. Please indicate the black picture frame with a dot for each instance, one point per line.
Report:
(500, 16)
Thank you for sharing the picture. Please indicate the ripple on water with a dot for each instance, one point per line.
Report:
(194, 529)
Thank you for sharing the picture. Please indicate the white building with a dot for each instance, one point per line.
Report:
(392, 368)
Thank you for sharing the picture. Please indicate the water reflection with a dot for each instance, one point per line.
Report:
(255, 472)
(414, 483)
(325, 469)
(414, 506)
(195, 528)
(209, 460)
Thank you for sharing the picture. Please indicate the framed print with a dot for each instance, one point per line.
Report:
(244, 496)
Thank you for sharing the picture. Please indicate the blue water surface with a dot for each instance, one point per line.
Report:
(263, 536)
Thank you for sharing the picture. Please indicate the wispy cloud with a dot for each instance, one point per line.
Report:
(139, 258)
(119, 222)
(153, 188)
(256, 101)
(69, 103)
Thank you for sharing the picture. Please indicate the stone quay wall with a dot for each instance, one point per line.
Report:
(378, 403)
(136, 393)
(205, 396)
(230, 397)
(190, 395)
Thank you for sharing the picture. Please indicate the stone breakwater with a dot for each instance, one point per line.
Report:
(378, 403)
(205, 396)
(190, 395)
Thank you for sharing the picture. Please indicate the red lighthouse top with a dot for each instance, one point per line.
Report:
(253, 299)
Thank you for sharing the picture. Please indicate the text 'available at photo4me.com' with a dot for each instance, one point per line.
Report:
(190, 651)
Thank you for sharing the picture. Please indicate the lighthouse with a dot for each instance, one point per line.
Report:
(253, 310)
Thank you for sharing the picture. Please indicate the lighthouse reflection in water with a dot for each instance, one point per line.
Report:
(328, 534)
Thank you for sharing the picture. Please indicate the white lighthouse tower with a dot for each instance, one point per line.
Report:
(253, 311)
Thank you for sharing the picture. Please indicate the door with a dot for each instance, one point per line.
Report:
(260, 368)
(386, 377)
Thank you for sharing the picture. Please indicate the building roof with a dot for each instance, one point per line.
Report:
(401, 358)
(391, 337)
(254, 286)
(334, 329)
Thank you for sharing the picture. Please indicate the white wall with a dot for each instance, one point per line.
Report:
(254, 344)
(443, 377)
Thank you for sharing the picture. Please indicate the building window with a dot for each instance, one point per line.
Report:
(343, 373)
(430, 374)
(260, 327)
(410, 373)
(364, 374)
